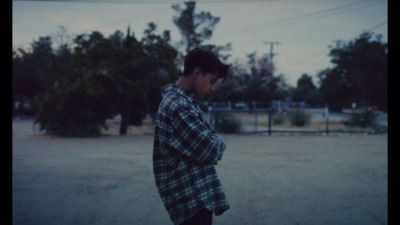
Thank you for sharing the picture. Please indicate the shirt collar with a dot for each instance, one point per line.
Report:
(190, 96)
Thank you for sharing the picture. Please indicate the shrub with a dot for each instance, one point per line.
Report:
(277, 120)
(363, 119)
(72, 108)
(227, 123)
(378, 126)
(299, 118)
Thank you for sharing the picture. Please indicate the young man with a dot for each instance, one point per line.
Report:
(186, 147)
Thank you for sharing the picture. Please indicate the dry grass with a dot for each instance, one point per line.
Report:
(147, 127)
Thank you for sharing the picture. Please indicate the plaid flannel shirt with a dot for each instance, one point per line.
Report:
(186, 148)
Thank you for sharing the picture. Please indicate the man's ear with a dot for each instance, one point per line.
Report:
(196, 72)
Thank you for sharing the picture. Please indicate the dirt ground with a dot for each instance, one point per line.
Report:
(278, 179)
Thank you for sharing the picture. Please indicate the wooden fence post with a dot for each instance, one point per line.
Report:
(269, 122)
(256, 118)
(326, 119)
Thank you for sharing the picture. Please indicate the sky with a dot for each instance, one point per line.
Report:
(301, 30)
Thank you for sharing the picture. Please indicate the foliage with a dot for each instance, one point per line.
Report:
(77, 103)
(260, 79)
(363, 119)
(227, 123)
(299, 118)
(32, 70)
(253, 82)
(306, 91)
(278, 119)
(72, 107)
(378, 126)
(194, 27)
(99, 78)
(74, 90)
(161, 67)
(359, 75)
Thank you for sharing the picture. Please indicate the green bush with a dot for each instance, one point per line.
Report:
(278, 120)
(227, 123)
(299, 118)
(378, 127)
(72, 108)
(363, 119)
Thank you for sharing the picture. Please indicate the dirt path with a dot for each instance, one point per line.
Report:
(268, 180)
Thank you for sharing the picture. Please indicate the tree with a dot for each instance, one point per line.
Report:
(262, 85)
(74, 107)
(334, 90)
(161, 69)
(128, 71)
(233, 89)
(194, 27)
(77, 103)
(143, 67)
(62, 39)
(252, 82)
(32, 70)
(306, 90)
(102, 77)
(359, 74)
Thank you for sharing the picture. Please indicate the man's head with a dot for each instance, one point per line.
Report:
(205, 69)
(207, 61)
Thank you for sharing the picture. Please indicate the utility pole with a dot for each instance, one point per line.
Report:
(271, 48)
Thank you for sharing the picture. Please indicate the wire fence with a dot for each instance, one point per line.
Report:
(295, 120)
(251, 120)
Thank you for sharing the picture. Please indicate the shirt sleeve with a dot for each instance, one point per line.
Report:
(194, 139)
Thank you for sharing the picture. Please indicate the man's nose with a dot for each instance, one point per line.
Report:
(212, 89)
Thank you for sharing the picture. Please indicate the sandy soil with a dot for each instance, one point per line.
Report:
(278, 179)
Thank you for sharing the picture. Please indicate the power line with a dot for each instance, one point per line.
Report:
(130, 18)
(308, 17)
(379, 25)
(291, 64)
(335, 13)
(316, 13)
(305, 59)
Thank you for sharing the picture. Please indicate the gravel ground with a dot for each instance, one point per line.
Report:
(278, 179)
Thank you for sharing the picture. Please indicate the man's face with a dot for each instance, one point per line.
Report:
(205, 84)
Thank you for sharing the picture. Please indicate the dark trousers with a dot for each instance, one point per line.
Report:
(202, 217)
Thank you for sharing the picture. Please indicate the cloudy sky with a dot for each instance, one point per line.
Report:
(301, 30)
